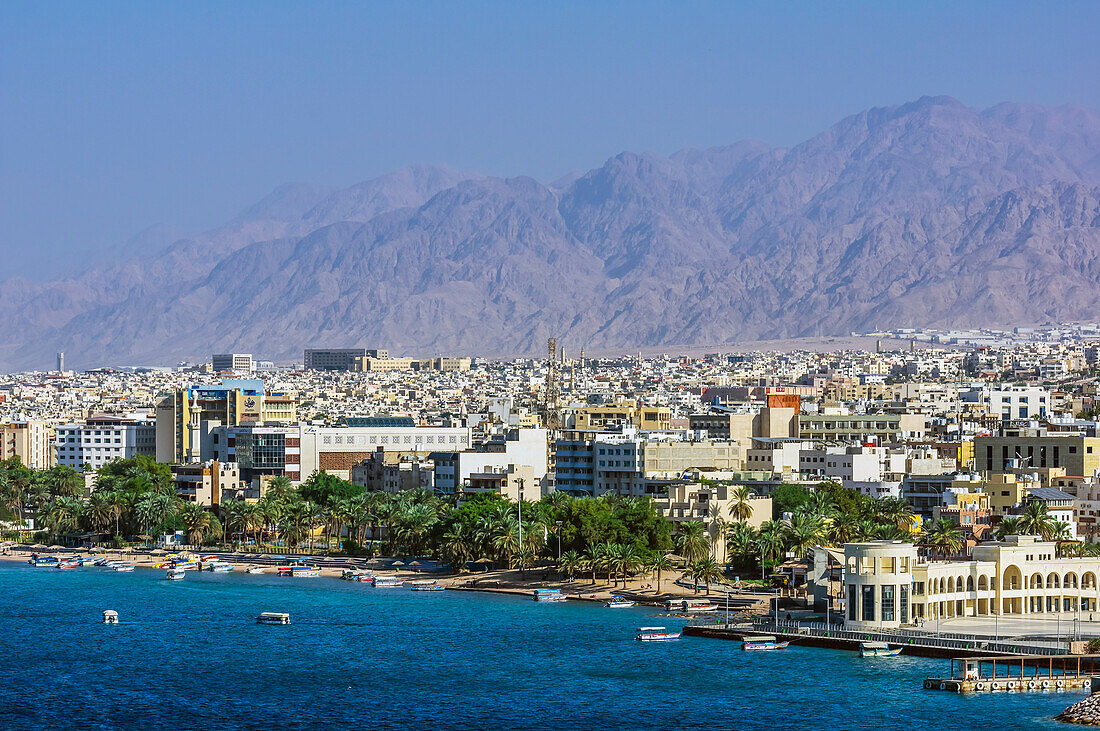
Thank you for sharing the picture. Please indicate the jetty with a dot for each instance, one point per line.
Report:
(912, 642)
(1017, 673)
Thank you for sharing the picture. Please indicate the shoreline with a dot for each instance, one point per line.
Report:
(493, 582)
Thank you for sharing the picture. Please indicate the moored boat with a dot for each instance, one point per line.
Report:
(273, 618)
(70, 564)
(427, 587)
(548, 595)
(655, 634)
(122, 568)
(222, 568)
(762, 642)
(380, 582)
(256, 570)
(174, 574)
(690, 606)
(619, 602)
(877, 649)
(305, 571)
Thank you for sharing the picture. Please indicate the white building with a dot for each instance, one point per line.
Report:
(520, 448)
(1011, 402)
(336, 449)
(234, 362)
(103, 438)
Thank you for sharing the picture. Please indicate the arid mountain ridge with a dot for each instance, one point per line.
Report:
(927, 214)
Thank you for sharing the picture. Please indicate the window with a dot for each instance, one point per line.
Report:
(852, 602)
(868, 604)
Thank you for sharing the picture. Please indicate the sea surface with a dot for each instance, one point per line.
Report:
(188, 655)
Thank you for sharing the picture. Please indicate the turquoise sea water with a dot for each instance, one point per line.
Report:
(188, 654)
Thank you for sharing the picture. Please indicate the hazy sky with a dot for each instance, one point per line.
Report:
(117, 116)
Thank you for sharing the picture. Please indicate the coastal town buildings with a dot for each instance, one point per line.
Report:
(102, 438)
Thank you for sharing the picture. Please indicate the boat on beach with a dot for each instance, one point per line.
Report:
(762, 642)
(427, 587)
(420, 582)
(256, 570)
(381, 582)
(273, 618)
(619, 602)
(655, 634)
(46, 562)
(548, 595)
(877, 649)
(70, 564)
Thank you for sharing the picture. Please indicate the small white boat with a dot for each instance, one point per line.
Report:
(655, 634)
(618, 602)
(273, 618)
(690, 606)
(877, 649)
(762, 642)
(175, 574)
(222, 568)
(428, 587)
(385, 582)
(124, 568)
(256, 570)
(420, 582)
(305, 572)
(110, 616)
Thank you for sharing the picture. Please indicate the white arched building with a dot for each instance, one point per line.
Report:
(887, 585)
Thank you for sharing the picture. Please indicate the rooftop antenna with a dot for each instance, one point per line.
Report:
(552, 416)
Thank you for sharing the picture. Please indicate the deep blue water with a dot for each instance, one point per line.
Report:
(188, 654)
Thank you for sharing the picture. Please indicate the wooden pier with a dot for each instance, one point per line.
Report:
(1017, 673)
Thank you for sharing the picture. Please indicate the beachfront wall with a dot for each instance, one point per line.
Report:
(887, 584)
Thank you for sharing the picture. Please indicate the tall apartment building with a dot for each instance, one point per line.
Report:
(31, 441)
(103, 438)
(623, 412)
(523, 449)
(206, 483)
(260, 452)
(187, 417)
(340, 359)
(235, 362)
(1008, 401)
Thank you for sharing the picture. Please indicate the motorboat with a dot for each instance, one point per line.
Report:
(427, 587)
(655, 634)
(365, 578)
(175, 574)
(70, 564)
(222, 568)
(618, 602)
(420, 582)
(122, 568)
(877, 649)
(45, 561)
(256, 570)
(548, 595)
(273, 618)
(305, 572)
(384, 582)
(762, 642)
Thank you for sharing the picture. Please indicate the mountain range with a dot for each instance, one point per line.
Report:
(930, 213)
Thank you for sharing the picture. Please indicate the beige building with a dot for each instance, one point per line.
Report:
(30, 441)
(687, 501)
(888, 585)
(881, 428)
(1029, 450)
(206, 483)
(624, 412)
(506, 481)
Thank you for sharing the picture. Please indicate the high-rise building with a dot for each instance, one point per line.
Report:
(30, 441)
(61, 361)
(103, 438)
(187, 417)
(235, 362)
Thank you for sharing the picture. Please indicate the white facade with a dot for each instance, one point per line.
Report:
(1010, 402)
(518, 447)
(335, 449)
(102, 439)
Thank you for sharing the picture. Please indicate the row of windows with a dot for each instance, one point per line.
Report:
(396, 440)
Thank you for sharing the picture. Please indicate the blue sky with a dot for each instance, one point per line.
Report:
(118, 116)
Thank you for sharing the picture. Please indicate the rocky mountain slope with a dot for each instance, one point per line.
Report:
(929, 213)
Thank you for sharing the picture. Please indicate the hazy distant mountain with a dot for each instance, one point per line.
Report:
(929, 213)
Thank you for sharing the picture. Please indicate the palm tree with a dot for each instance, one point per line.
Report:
(279, 487)
(63, 515)
(772, 539)
(199, 523)
(593, 559)
(943, 538)
(661, 564)
(740, 508)
(1007, 527)
(99, 511)
(505, 539)
(691, 541)
(843, 529)
(456, 547)
(624, 559)
(570, 563)
(235, 516)
(705, 570)
(1036, 520)
(740, 540)
(805, 532)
